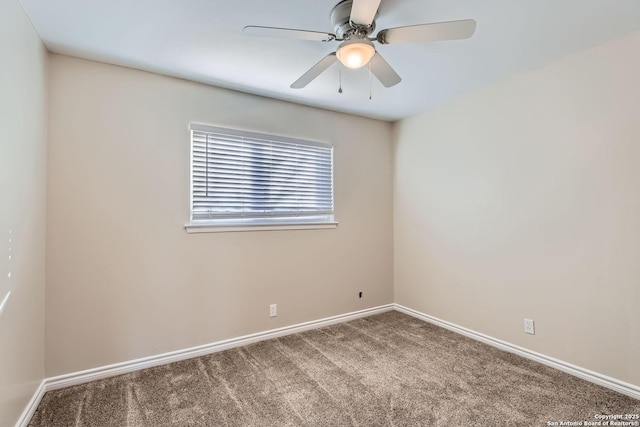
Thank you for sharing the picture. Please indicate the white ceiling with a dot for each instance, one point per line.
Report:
(202, 40)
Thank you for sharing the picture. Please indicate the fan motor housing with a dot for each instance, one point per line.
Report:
(341, 20)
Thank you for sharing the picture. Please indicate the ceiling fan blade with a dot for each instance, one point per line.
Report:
(438, 31)
(364, 11)
(314, 71)
(287, 33)
(383, 71)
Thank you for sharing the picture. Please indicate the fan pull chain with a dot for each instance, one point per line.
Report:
(369, 79)
(339, 77)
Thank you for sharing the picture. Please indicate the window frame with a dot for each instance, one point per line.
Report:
(256, 223)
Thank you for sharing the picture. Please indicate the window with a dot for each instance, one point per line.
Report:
(244, 180)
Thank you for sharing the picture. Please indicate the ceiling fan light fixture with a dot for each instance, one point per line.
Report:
(355, 53)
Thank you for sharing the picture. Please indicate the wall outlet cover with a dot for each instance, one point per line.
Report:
(529, 326)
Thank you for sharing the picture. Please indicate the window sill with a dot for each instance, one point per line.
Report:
(209, 228)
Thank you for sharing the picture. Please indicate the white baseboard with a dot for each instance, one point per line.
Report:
(28, 412)
(81, 377)
(594, 377)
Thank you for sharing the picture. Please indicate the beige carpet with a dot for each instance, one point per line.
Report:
(385, 370)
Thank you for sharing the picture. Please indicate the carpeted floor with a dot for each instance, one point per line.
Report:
(385, 370)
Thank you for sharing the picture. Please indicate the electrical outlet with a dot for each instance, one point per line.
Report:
(529, 327)
(273, 310)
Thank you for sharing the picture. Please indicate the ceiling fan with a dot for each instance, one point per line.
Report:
(354, 22)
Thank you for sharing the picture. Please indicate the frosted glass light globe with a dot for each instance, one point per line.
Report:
(355, 53)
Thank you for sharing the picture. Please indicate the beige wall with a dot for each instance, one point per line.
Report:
(523, 200)
(520, 200)
(22, 209)
(125, 280)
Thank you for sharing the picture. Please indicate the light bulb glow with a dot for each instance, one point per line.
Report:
(356, 53)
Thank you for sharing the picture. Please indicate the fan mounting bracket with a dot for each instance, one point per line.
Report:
(343, 27)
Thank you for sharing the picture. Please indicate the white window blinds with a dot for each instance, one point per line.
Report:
(244, 175)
